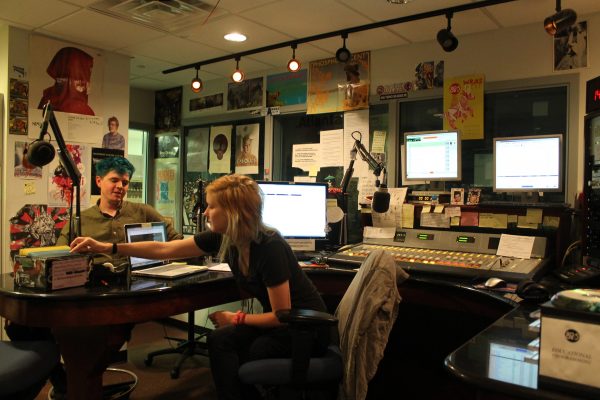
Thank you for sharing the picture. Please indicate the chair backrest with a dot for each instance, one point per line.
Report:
(366, 315)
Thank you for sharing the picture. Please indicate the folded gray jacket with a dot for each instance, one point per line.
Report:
(366, 316)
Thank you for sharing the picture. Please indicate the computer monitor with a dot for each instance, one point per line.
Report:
(296, 210)
(432, 156)
(528, 163)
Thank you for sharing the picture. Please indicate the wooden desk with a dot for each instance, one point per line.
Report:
(92, 323)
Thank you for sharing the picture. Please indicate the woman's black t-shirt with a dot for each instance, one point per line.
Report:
(272, 262)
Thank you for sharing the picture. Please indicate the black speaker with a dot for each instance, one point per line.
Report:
(40, 153)
(533, 291)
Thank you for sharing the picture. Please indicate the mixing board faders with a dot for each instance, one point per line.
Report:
(450, 257)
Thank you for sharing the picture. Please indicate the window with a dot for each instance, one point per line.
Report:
(540, 111)
(137, 145)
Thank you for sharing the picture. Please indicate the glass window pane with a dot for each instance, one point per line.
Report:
(137, 145)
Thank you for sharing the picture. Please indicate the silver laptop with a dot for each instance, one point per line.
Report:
(157, 232)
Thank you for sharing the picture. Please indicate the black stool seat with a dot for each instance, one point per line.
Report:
(25, 367)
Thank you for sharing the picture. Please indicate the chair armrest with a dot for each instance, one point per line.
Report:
(305, 317)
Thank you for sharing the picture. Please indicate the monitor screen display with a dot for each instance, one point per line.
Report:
(528, 164)
(432, 156)
(512, 364)
(296, 210)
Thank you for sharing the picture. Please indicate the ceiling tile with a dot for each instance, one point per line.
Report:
(97, 30)
(213, 32)
(20, 11)
(174, 50)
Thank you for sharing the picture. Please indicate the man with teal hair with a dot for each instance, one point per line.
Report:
(105, 220)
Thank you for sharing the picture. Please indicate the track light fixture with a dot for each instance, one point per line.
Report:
(197, 82)
(446, 38)
(238, 74)
(343, 54)
(293, 65)
(560, 21)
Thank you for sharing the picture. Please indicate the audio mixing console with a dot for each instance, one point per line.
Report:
(452, 253)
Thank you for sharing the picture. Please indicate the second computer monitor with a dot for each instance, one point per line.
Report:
(296, 210)
(432, 156)
(528, 163)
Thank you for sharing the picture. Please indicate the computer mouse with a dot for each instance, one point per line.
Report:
(495, 283)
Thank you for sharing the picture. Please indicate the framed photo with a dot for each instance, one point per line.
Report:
(473, 196)
(457, 196)
(571, 47)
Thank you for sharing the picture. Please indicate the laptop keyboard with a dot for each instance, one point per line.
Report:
(166, 268)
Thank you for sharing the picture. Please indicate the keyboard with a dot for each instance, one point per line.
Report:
(170, 271)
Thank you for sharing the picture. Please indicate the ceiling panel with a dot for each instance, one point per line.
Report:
(97, 30)
(265, 22)
(306, 18)
(19, 11)
(174, 50)
(257, 34)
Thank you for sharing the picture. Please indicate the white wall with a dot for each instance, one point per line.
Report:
(112, 98)
(141, 106)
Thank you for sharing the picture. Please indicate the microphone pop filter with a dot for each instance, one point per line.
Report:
(381, 201)
(40, 153)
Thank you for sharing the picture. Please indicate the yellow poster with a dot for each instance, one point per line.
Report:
(463, 105)
(334, 86)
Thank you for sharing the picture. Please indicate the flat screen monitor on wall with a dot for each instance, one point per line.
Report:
(432, 156)
(296, 210)
(528, 164)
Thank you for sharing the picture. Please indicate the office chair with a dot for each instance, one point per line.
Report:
(25, 367)
(365, 317)
(186, 348)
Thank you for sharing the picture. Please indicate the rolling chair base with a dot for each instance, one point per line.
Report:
(113, 391)
(187, 348)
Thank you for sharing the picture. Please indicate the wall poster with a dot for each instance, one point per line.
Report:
(333, 86)
(463, 105)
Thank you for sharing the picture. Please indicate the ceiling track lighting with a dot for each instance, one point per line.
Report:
(238, 74)
(560, 21)
(293, 65)
(197, 82)
(342, 54)
(345, 32)
(446, 38)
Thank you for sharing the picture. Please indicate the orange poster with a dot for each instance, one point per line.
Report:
(463, 105)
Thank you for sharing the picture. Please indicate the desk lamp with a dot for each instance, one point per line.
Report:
(41, 153)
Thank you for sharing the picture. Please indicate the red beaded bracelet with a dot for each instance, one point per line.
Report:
(240, 318)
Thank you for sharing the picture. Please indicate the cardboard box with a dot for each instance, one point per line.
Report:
(51, 272)
(570, 349)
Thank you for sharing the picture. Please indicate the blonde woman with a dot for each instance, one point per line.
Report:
(262, 263)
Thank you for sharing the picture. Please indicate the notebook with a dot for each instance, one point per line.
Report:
(157, 232)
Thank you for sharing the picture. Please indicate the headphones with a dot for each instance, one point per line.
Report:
(533, 291)
(41, 152)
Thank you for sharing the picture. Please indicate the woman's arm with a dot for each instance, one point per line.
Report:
(185, 248)
(280, 299)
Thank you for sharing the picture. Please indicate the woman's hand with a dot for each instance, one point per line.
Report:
(89, 245)
(222, 318)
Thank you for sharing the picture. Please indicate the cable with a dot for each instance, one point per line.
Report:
(568, 251)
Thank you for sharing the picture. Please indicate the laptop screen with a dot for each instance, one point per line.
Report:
(148, 231)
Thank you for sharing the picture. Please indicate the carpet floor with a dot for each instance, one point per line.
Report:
(155, 383)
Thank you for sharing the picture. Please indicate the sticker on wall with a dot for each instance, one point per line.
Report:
(36, 225)
(60, 185)
(23, 168)
(220, 150)
(247, 145)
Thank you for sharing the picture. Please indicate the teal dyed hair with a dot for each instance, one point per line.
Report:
(118, 164)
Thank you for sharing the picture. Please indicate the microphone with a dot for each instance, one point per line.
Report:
(40, 152)
(381, 199)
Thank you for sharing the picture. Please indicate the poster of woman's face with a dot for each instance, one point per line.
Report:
(570, 47)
